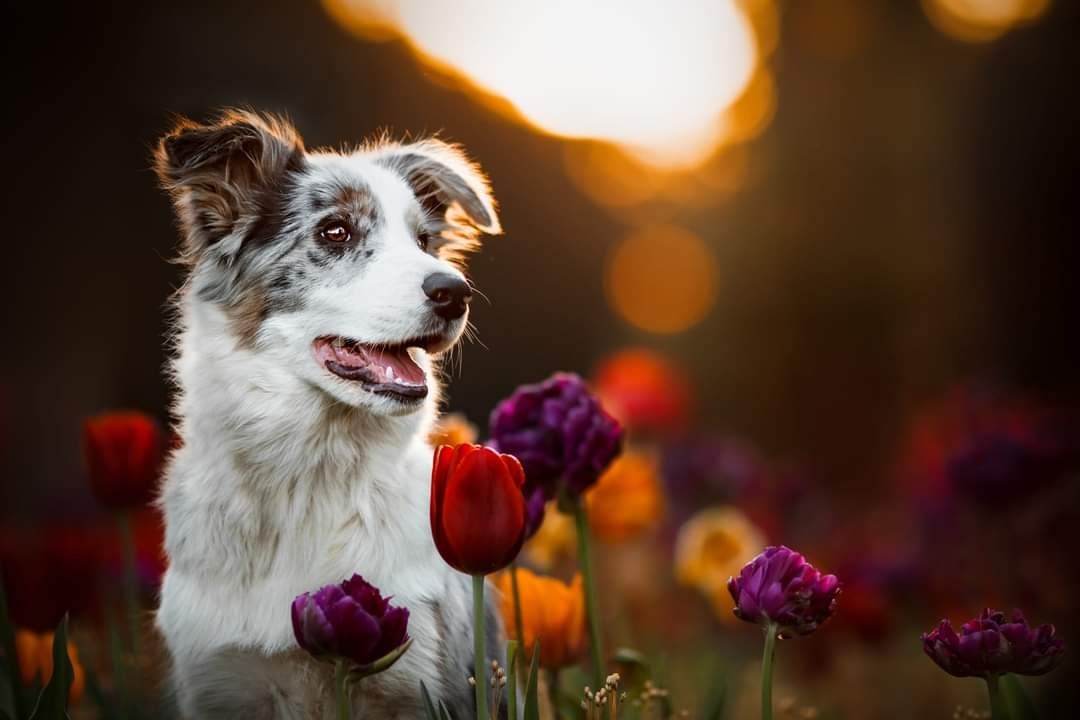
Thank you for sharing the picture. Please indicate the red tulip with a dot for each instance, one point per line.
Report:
(123, 453)
(477, 508)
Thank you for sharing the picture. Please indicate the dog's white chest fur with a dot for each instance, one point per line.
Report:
(280, 492)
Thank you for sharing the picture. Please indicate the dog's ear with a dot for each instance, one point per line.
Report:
(448, 185)
(223, 173)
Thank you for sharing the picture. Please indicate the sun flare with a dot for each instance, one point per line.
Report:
(654, 78)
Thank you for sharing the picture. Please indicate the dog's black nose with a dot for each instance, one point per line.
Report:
(449, 293)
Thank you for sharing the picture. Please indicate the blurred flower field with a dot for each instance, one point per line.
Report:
(638, 551)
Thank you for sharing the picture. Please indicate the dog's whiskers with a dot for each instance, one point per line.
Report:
(481, 293)
(473, 335)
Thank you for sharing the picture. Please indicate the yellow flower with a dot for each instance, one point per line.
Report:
(711, 547)
(554, 541)
(552, 612)
(452, 429)
(34, 651)
(627, 500)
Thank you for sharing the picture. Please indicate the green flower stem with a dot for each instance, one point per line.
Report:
(519, 626)
(999, 709)
(511, 678)
(767, 670)
(479, 661)
(131, 581)
(596, 646)
(341, 683)
(553, 692)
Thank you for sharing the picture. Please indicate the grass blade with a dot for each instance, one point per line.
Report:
(532, 702)
(429, 707)
(7, 638)
(52, 703)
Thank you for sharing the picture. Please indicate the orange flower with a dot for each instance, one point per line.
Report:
(124, 452)
(452, 429)
(551, 612)
(627, 500)
(36, 663)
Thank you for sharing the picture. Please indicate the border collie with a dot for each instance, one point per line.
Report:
(323, 288)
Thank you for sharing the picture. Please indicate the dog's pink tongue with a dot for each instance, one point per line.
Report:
(394, 366)
(370, 364)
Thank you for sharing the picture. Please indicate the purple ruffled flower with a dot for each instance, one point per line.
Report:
(535, 502)
(992, 644)
(351, 620)
(779, 587)
(559, 432)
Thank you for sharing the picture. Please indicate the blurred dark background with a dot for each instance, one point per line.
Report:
(910, 217)
(902, 222)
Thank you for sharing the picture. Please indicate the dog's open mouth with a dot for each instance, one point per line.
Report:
(382, 369)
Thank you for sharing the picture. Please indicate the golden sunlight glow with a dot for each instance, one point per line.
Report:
(617, 180)
(661, 279)
(654, 78)
(981, 20)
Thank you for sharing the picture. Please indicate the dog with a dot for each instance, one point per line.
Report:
(323, 288)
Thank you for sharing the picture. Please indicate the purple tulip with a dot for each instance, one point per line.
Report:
(559, 431)
(351, 621)
(780, 588)
(535, 503)
(992, 645)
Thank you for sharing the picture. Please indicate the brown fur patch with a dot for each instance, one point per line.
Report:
(246, 316)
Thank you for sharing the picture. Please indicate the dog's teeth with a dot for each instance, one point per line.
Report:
(338, 343)
(390, 372)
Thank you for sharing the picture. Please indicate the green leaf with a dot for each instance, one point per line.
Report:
(52, 703)
(386, 662)
(1016, 697)
(429, 707)
(633, 666)
(532, 702)
(11, 661)
(630, 656)
(7, 697)
(444, 712)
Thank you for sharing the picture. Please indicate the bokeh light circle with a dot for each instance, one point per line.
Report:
(661, 278)
(981, 20)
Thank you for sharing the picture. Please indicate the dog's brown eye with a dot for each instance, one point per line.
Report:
(335, 233)
(423, 239)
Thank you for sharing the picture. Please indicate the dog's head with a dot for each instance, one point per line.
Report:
(343, 268)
